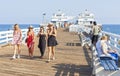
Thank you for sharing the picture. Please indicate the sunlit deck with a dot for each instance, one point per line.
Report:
(70, 60)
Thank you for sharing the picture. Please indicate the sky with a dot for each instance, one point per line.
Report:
(31, 11)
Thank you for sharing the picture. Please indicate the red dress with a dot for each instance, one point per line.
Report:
(30, 42)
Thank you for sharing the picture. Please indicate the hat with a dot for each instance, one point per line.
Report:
(30, 27)
(50, 24)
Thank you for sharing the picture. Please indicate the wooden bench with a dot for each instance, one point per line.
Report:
(104, 65)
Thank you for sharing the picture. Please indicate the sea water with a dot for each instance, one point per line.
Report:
(6, 27)
(113, 28)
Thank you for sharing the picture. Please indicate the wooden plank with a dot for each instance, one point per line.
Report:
(70, 60)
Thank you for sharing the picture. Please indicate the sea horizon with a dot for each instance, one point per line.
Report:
(6, 27)
(112, 28)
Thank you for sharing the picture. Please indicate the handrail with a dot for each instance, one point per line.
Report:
(7, 36)
(113, 38)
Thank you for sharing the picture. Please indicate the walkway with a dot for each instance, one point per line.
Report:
(70, 60)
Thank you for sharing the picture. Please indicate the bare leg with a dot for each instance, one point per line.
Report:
(29, 50)
(32, 49)
(49, 53)
(19, 50)
(15, 49)
(53, 52)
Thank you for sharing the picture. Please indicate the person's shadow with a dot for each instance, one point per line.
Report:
(9, 56)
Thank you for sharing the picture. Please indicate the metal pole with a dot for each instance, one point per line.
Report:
(44, 17)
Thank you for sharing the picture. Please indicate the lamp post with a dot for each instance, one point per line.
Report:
(44, 18)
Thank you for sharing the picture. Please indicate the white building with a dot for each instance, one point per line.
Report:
(60, 18)
(85, 18)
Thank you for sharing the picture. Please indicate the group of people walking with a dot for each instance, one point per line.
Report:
(45, 38)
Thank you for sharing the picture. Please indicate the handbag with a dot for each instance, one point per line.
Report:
(56, 42)
(26, 40)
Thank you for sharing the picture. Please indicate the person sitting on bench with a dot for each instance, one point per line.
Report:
(104, 50)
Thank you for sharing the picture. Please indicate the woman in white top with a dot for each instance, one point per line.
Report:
(105, 48)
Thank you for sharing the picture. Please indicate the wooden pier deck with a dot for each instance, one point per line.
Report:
(70, 60)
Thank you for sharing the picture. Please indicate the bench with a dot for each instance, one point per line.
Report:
(108, 63)
(84, 40)
(104, 65)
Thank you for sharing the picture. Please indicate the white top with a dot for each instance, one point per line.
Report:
(99, 48)
(104, 46)
(96, 30)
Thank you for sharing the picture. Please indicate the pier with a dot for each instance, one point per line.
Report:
(71, 59)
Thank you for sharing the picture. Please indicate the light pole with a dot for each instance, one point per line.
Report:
(44, 18)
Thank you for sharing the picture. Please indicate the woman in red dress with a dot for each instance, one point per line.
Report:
(30, 41)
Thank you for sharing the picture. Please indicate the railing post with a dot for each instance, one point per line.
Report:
(109, 40)
(0, 38)
(115, 39)
(7, 37)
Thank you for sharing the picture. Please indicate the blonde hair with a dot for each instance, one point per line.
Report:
(15, 26)
(50, 25)
(104, 37)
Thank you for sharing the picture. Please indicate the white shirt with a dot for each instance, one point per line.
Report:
(99, 48)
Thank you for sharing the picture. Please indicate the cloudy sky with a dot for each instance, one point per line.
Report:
(31, 11)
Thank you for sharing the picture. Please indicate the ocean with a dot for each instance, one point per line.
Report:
(6, 27)
(113, 28)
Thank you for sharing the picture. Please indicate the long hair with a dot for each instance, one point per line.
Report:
(42, 29)
(15, 26)
(104, 37)
(49, 26)
(30, 27)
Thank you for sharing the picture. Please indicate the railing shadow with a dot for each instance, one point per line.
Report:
(87, 54)
(73, 44)
(72, 70)
(75, 70)
(6, 56)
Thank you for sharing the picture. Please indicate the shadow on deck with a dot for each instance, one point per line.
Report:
(87, 53)
(71, 59)
(72, 70)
